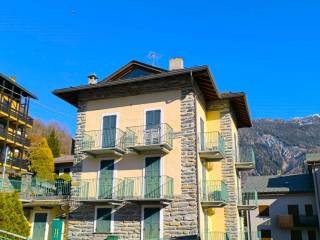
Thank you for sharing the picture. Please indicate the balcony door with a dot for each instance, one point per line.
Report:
(152, 177)
(40, 226)
(109, 127)
(152, 134)
(151, 223)
(294, 211)
(106, 179)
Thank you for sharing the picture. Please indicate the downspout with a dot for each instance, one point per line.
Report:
(316, 190)
(197, 167)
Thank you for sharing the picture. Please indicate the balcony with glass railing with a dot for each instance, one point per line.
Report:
(134, 189)
(213, 193)
(110, 141)
(156, 138)
(211, 146)
(246, 160)
(248, 200)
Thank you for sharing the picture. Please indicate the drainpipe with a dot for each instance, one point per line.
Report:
(5, 162)
(197, 167)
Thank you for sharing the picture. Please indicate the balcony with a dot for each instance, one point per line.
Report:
(15, 114)
(301, 221)
(252, 236)
(247, 159)
(249, 201)
(17, 163)
(213, 193)
(211, 146)
(151, 138)
(37, 191)
(13, 139)
(103, 142)
(157, 189)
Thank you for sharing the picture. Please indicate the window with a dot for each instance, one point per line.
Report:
(103, 220)
(312, 235)
(296, 235)
(265, 234)
(263, 210)
(308, 210)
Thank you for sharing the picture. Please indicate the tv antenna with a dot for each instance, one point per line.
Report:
(154, 58)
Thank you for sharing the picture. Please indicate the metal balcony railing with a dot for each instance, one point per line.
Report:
(110, 138)
(149, 135)
(17, 162)
(36, 189)
(148, 187)
(248, 200)
(306, 221)
(211, 141)
(251, 236)
(133, 188)
(246, 158)
(213, 191)
(14, 137)
(19, 114)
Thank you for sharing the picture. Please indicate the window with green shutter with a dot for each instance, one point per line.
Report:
(103, 221)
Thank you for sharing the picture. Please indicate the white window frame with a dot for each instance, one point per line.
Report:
(117, 123)
(160, 221)
(33, 215)
(161, 172)
(114, 176)
(95, 218)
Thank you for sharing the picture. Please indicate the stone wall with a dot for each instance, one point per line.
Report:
(228, 165)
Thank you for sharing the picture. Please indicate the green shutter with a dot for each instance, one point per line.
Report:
(152, 177)
(103, 222)
(151, 224)
(56, 231)
(106, 179)
(39, 226)
(109, 131)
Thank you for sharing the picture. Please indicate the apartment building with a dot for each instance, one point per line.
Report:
(287, 207)
(157, 155)
(14, 122)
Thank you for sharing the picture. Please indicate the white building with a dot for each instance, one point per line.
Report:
(288, 207)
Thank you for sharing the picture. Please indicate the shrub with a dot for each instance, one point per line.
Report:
(11, 215)
(54, 143)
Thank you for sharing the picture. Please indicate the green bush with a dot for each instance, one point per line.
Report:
(54, 143)
(11, 215)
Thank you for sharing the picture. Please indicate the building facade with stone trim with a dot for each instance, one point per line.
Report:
(157, 155)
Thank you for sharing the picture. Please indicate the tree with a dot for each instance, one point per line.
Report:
(54, 143)
(12, 218)
(42, 161)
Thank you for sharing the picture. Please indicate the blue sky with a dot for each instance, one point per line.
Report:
(269, 49)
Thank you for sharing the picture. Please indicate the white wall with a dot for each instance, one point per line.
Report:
(278, 205)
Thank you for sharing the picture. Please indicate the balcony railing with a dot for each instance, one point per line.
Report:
(14, 137)
(252, 236)
(249, 201)
(104, 141)
(301, 221)
(133, 188)
(247, 160)
(19, 114)
(150, 138)
(211, 145)
(36, 189)
(17, 162)
(213, 193)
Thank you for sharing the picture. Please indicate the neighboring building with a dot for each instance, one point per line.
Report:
(63, 164)
(14, 122)
(287, 207)
(157, 155)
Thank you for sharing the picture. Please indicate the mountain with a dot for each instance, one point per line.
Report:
(282, 144)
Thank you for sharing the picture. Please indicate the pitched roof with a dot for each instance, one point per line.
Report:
(201, 74)
(9, 83)
(280, 184)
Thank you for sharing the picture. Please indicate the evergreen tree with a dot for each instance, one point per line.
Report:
(12, 218)
(42, 161)
(54, 143)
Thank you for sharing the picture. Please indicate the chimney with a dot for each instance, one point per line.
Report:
(175, 63)
(92, 79)
(13, 78)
